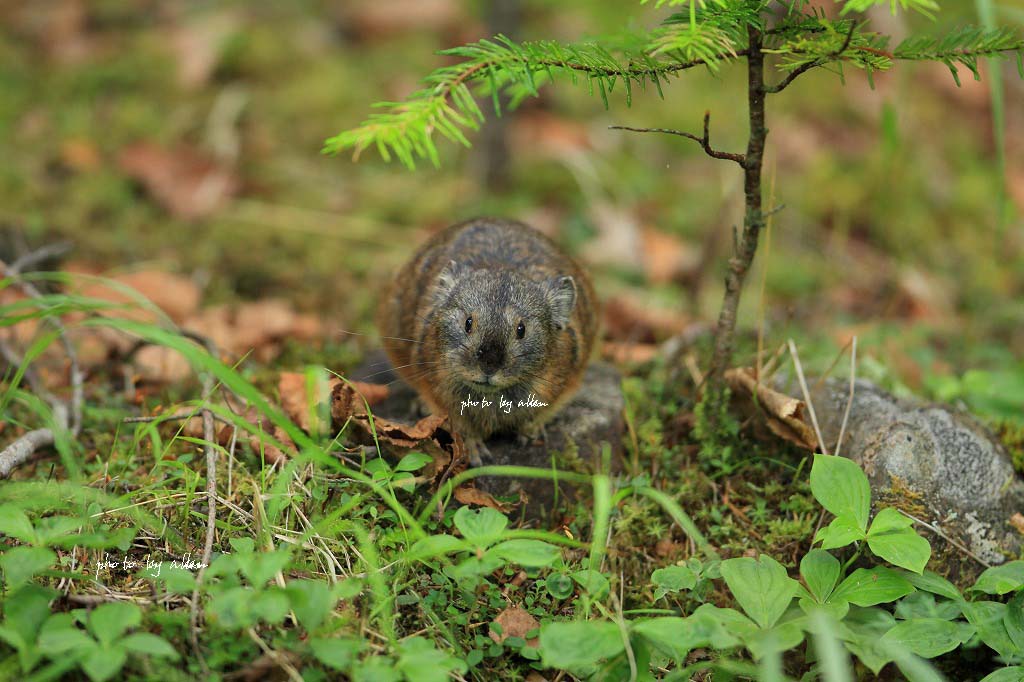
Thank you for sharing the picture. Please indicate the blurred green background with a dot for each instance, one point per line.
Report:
(187, 136)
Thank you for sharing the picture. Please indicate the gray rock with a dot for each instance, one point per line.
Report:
(956, 471)
(573, 439)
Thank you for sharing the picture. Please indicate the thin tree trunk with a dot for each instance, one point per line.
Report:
(502, 16)
(743, 252)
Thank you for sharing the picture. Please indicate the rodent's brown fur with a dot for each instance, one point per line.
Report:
(415, 309)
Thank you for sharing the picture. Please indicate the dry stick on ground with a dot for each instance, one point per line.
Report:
(67, 416)
(211, 516)
(807, 396)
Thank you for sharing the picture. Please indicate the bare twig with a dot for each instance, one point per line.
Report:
(211, 516)
(704, 141)
(804, 68)
(33, 258)
(948, 539)
(849, 401)
(807, 395)
(67, 416)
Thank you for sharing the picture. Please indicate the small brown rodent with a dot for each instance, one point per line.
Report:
(493, 324)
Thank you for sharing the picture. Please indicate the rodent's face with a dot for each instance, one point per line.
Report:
(497, 328)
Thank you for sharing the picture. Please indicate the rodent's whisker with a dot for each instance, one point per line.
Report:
(389, 369)
(392, 338)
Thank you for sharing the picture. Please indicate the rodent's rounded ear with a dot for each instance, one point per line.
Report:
(562, 298)
(446, 280)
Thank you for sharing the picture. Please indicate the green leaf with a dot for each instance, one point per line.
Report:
(762, 587)
(733, 624)
(892, 538)
(418, 659)
(577, 645)
(929, 637)
(57, 640)
(988, 617)
(270, 605)
(781, 637)
(836, 609)
(839, 533)
(525, 552)
(482, 527)
(594, 582)
(336, 652)
(27, 609)
(414, 461)
(870, 586)
(104, 663)
(436, 545)
(148, 643)
(1014, 673)
(107, 622)
(862, 630)
(673, 579)
(677, 637)
(21, 564)
(820, 570)
(841, 487)
(934, 583)
(1008, 577)
(923, 605)
(1014, 621)
(311, 601)
(15, 523)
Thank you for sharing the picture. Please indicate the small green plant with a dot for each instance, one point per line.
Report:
(842, 609)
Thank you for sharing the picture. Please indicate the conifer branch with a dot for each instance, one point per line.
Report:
(405, 129)
(807, 66)
(704, 141)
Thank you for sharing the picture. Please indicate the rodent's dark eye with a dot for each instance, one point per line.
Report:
(469, 324)
(520, 330)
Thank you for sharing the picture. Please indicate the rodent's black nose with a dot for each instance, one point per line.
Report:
(491, 355)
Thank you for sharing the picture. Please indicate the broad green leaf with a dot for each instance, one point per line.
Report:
(889, 519)
(676, 637)
(820, 570)
(1014, 673)
(922, 604)
(559, 585)
(581, 644)
(673, 579)
(336, 652)
(103, 663)
(1008, 577)
(836, 609)
(270, 605)
(260, 567)
(376, 669)
(1014, 621)
(988, 617)
(60, 640)
(414, 461)
(148, 643)
(311, 601)
(839, 533)
(27, 609)
(733, 623)
(525, 552)
(934, 583)
(929, 637)
(482, 527)
(419, 659)
(594, 582)
(436, 545)
(834, 661)
(841, 487)
(902, 547)
(108, 622)
(862, 630)
(870, 586)
(781, 637)
(21, 564)
(242, 545)
(762, 587)
(15, 523)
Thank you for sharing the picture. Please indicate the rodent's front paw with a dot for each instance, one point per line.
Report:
(530, 434)
(476, 450)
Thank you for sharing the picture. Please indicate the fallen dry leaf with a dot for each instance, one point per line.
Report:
(515, 621)
(624, 353)
(467, 494)
(186, 182)
(292, 388)
(176, 295)
(626, 318)
(161, 364)
(80, 155)
(431, 435)
(1017, 521)
(786, 415)
(372, 19)
(667, 258)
